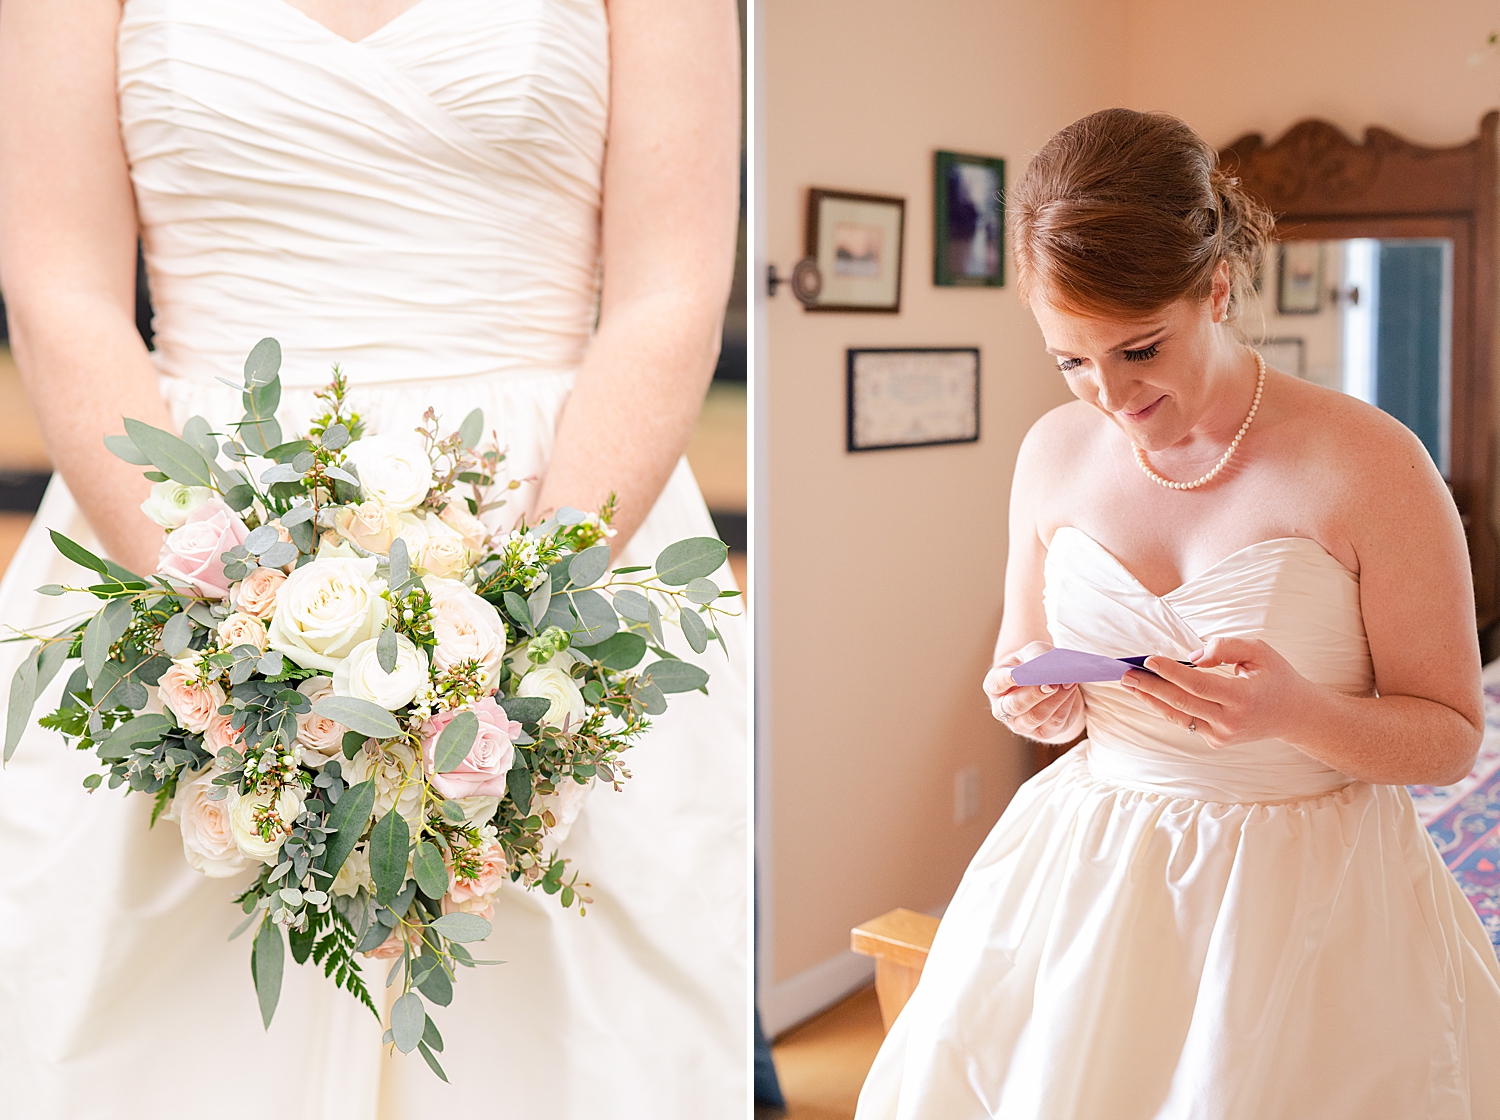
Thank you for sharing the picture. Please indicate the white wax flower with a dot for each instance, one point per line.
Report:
(325, 609)
(393, 470)
(170, 503)
(555, 685)
(360, 674)
(287, 803)
(465, 626)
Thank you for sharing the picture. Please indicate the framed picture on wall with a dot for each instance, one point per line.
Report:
(1299, 278)
(912, 397)
(856, 240)
(1285, 354)
(968, 241)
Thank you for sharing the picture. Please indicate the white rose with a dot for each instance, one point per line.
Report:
(397, 774)
(369, 525)
(355, 873)
(465, 626)
(444, 553)
(326, 608)
(565, 803)
(171, 502)
(242, 630)
(360, 674)
(413, 530)
(394, 470)
(477, 809)
(557, 686)
(456, 515)
(318, 737)
(286, 805)
(207, 839)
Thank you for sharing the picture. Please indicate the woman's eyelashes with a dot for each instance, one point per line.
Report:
(1066, 364)
(1145, 354)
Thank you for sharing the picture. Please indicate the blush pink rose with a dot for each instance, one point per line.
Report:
(257, 592)
(475, 896)
(483, 771)
(194, 704)
(193, 555)
(221, 733)
(394, 945)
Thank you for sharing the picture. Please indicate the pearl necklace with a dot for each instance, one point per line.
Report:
(1234, 444)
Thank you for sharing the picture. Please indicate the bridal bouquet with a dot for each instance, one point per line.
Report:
(340, 678)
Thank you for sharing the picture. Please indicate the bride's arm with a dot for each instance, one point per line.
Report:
(67, 257)
(670, 207)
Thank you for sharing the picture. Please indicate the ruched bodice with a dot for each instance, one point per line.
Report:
(1288, 592)
(421, 203)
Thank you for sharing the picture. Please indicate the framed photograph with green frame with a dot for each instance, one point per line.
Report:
(968, 239)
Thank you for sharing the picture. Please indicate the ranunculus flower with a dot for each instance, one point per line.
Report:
(393, 769)
(483, 771)
(360, 674)
(221, 733)
(318, 737)
(444, 553)
(171, 502)
(325, 609)
(370, 525)
(287, 805)
(193, 704)
(242, 630)
(479, 809)
(394, 470)
(207, 839)
(473, 530)
(256, 593)
(492, 875)
(354, 873)
(192, 556)
(555, 685)
(465, 626)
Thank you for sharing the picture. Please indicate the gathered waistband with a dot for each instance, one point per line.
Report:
(1240, 778)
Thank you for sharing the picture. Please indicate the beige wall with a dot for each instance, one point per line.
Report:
(884, 581)
(885, 568)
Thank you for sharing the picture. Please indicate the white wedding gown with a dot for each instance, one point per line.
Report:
(1155, 930)
(421, 207)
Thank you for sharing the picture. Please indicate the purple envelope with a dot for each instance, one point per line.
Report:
(1073, 666)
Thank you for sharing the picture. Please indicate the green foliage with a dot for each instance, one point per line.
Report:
(335, 952)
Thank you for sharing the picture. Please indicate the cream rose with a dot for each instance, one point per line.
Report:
(393, 470)
(444, 553)
(170, 503)
(242, 630)
(465, 626)
(473, 530)
(555, 685)
(318, 737)
(477, 809)
(207, 839)
(325, 609)
(193, 703)
(221, 733)
(256, 593)
(285, 807)
(360, 674)
(398, 781)
(355, 873)
(369, 525)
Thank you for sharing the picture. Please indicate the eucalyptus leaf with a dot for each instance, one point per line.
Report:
(632, 604)
(596, 618)
(693, 630)
(266, 962)
(53, 589)
(431, 1059)
(702, 591)
(519, 611)
(240, 497)
(525, 709)
(455, 742)
(348, 819)
(123, 447)
(472, 428)
(653, 700)
(429, 870)
(567, 515)
(587, 566)
(259, 434)
(653, 623)
(23, 692)
(363, 716)
(342, 475)
(454, 812)
(539, 600)
(400, 567)
(260, 539)
(436, 986)
(386, 649)
(77, 553)
(461, 927)
(197, 433)
(671, 675)
(620, 652)
(271, 663)
(335, 437)
(684, 561)
(278, 555)
(296, 515)
(518, 785)
(280, 472)
(263, 363)
(408, 1018)
(390, 842)
(103, 631)
(175, 458)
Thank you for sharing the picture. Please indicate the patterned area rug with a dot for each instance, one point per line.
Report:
(1464, 819)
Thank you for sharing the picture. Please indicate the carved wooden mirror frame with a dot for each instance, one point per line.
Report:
(1323, 186)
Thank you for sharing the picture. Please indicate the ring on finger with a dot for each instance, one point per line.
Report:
(1193, 726)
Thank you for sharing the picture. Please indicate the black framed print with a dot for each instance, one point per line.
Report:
(912, 397)
(1299, 278)
(968, 239)
(856, 240)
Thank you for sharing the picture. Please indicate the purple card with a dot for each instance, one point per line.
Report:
(1073, 666)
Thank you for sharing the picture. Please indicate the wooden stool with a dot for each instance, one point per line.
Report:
(899, 942)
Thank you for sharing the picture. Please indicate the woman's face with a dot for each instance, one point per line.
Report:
(1151, 376)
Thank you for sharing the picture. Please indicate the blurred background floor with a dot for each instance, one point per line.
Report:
(716, 452)
(822, 1063)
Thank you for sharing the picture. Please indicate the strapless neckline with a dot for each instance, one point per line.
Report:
(1217, 568)
(298, 15)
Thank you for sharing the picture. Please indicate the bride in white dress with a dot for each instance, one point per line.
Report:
(421, 194)
(1221, 904)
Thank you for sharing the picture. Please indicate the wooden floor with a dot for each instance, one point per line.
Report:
(822, 1063)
